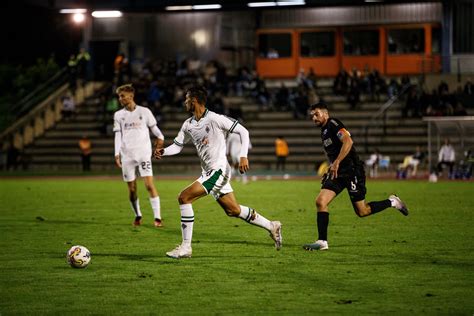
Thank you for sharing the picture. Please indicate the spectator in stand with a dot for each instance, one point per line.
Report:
(262, 94)
(415, 160)
(282, 98)
(379, 84)
(301, 104)
(340, 83)
(373, 162)
(154, 95)
(82, 59)
(409, 167)
(443, 87)
(85, 146)
(243, 79)
(302, 79)
(312, 96)
(447, 102)
(183, 68)
(69, 107)
(72, 72)
(353, 97)
(465, 166)
(222, 81)
(459, 110)
(272, 53)
(433, 107)
(405, 80)
(392, 89)
(412, 103)
(446, 156)
(216, 103)
(469, 87)
(281, 151)
(312, 79)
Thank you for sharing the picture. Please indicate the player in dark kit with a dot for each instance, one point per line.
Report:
(346, 171)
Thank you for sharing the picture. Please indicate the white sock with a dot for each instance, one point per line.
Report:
(250, 216)
(187, 223)
(155, 205)
(136, 208)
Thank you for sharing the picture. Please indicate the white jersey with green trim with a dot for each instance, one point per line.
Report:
(134, 127)
(208, 135)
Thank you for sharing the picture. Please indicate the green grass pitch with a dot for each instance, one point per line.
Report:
(387, 263)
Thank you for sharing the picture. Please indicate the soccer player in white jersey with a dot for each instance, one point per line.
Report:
(133, 149)
(208, 130)
(233, 150)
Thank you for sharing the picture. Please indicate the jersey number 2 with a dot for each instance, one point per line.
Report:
(146, 165)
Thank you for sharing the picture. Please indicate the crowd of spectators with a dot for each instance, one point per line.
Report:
(440, 102)
(160, 83)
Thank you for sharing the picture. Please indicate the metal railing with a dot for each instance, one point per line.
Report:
(40, 93)
(382, 112)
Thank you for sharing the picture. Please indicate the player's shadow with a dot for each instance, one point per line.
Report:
(233, 242)
(136, 257)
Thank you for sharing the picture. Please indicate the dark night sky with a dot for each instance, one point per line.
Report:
(30, 32)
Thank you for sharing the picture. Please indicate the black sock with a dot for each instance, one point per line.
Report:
(379, 206)
(323, 222)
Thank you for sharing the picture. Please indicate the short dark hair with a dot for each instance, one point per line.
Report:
(320, 105)
(199, 93)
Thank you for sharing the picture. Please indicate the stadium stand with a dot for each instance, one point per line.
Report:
(57, 149)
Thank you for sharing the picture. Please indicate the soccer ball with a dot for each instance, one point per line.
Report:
(78, 257)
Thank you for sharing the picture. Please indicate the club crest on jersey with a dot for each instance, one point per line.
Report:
(207, 129)
(325, 131)
(140, 117)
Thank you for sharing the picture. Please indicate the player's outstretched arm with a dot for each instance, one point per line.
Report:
(171, 150)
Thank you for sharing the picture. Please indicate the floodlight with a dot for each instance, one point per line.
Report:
(106, 14)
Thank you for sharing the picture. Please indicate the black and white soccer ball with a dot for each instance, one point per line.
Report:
(78, 257)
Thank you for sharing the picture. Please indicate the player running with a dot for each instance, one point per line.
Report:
(207, 131)
(346, 171)
(133, 149)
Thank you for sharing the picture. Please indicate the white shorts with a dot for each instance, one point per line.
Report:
(129, 169)
(216, 182)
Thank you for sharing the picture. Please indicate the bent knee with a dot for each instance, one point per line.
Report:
(232, 212)
(321, 204)
(183, 199)
(362, 211)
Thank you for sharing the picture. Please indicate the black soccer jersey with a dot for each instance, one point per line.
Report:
(330, 135)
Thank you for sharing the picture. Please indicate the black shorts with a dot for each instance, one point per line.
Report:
(353, 181)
